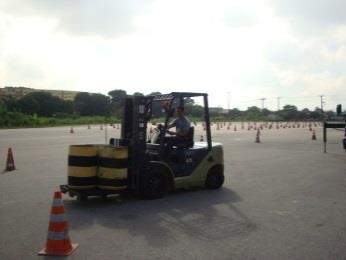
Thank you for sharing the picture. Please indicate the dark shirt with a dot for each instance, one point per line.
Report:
(182, 125)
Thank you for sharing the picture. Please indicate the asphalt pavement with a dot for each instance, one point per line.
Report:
(283, 198)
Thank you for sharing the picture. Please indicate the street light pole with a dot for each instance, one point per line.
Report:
(228, 100)
(262, 99)
(322, 102)
(278, 102)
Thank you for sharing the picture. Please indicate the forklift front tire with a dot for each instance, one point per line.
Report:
(155, 185)
(215, 178)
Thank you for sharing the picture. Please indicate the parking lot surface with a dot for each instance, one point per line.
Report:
(283, 198)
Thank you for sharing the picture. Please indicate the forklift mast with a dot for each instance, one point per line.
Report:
(133, 132)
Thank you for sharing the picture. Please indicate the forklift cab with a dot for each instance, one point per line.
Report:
(184, 157)
(169, 103)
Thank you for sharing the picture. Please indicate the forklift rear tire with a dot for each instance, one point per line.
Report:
(215, 177)
(155, 185)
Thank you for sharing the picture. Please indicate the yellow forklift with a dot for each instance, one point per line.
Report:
(152, 170)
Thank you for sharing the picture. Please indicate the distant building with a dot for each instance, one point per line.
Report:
(19, 92)
(218, 110)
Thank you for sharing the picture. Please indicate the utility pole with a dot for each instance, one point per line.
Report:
(322, 102)
(278, 102)
(228, 100)
(262, 99)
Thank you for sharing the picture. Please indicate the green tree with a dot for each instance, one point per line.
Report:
(194, 110)
(10, 103)
(29, 105)
(43, 104)
(289, 112)
(155, 93)
(234, 113)
(265, 112)
(317, 114)
(253, 113)
(117, 101)
(117, 96)
(87, 104)
(304, 114)
(138, 94)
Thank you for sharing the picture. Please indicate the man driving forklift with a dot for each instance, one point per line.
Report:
(182, 124)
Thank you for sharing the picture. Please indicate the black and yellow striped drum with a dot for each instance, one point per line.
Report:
(112, 172)
(82, 166)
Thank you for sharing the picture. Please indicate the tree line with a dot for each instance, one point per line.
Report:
(287, 113)
(44, 104)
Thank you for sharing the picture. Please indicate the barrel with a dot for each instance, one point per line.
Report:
(113, 163)
(82, 166)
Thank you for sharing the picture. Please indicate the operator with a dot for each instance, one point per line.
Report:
(182, 125)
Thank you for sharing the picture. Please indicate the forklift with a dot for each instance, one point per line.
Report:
(153, 171)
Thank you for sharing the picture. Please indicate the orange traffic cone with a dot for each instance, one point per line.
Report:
(58, 241)
(71, 130)
(257, 140)
(10, 166)
(313, 137)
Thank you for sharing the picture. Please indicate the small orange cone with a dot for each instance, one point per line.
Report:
(58, 241)
(71, 130)
(313, 137)
(10, 166)
(257, 140)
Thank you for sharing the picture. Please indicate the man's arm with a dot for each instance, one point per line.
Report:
(184, 130)
(172, 124)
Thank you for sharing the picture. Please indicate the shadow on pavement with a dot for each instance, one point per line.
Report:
(203, 214)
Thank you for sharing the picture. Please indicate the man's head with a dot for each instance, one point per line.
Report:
(180, 111)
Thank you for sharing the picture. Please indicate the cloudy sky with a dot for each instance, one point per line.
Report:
(295, 49)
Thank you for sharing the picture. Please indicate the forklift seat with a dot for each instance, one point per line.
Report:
(189, 140)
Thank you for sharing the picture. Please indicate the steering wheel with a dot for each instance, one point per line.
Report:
(158, 135)
(162, 133)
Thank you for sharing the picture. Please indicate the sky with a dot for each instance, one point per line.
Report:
(237, 51)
